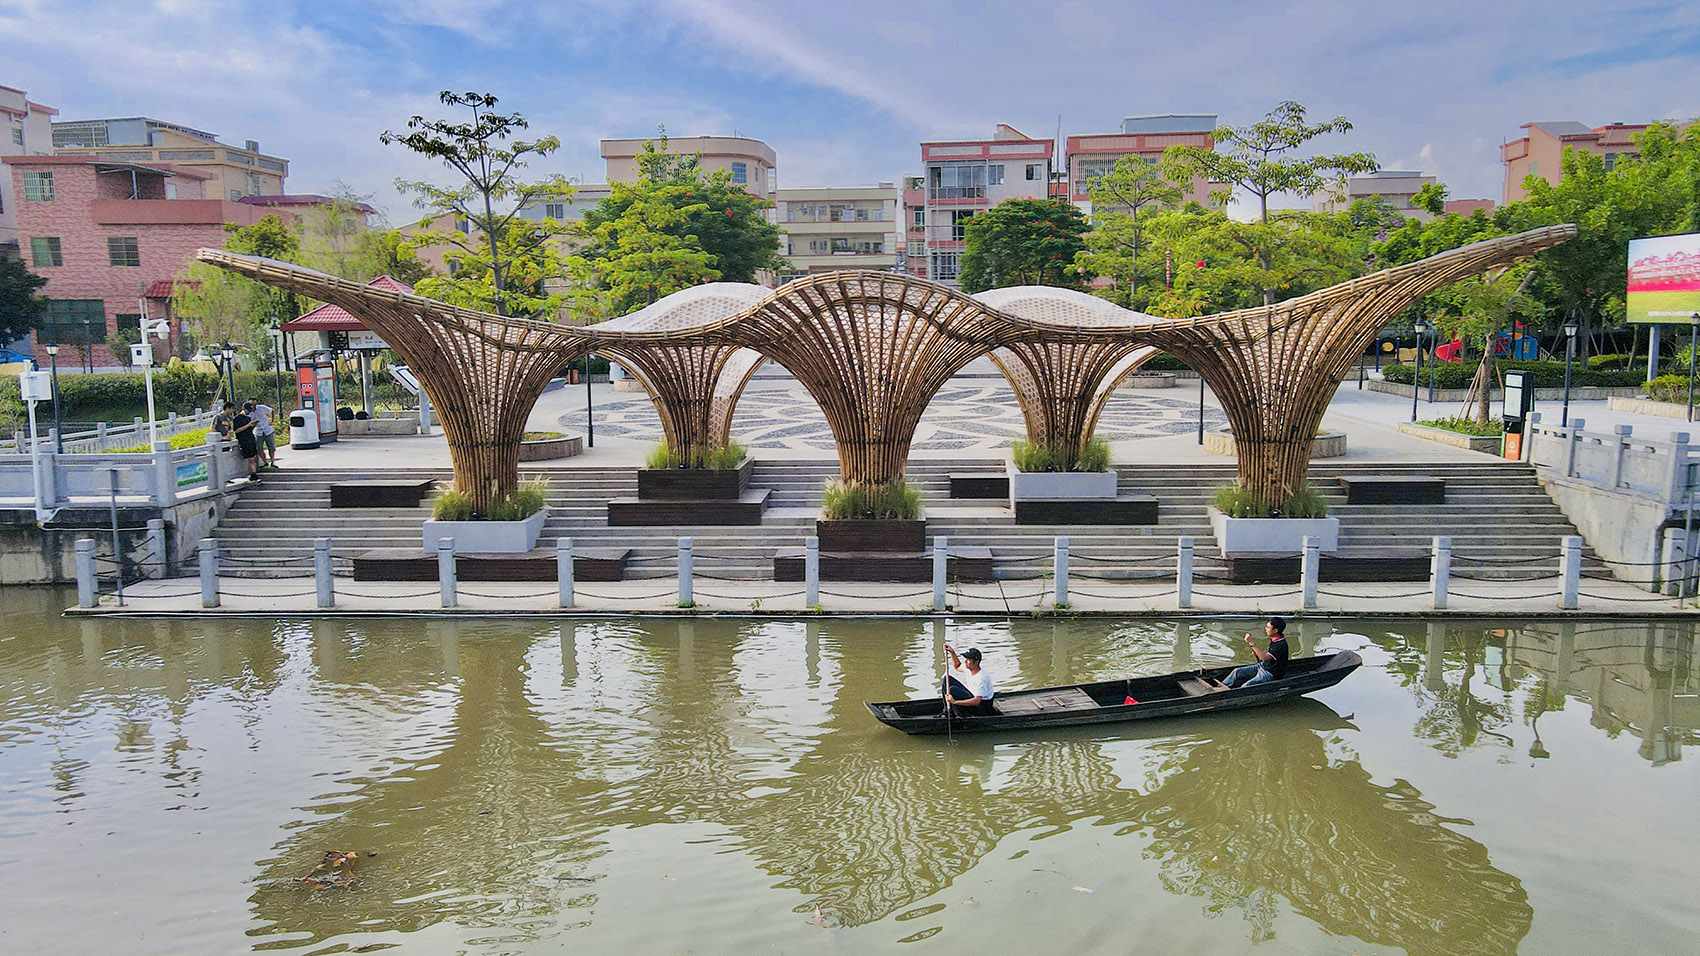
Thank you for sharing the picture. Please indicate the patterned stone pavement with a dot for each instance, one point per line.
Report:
(962, 417)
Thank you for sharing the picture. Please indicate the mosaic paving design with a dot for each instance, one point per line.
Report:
(961, 417)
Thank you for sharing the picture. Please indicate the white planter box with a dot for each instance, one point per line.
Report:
(1278, 535)
(1059, 485)
(487, 537)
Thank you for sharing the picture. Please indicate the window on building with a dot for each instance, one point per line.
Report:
(740, 172)
(123, 251)
(966, 181)
(959, 224)
(1611, 161)
(45, 251)
(920, 220)
(945, 266)
(917, 248)
(236, 195)
(555, 210)
(994, 175)
(74, 320)
(127, 320)
(17, 136)
(1032, 170)
(1534, 167)
(38, 187)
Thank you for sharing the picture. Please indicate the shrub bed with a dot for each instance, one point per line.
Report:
(1542, 374)
(1492, 428)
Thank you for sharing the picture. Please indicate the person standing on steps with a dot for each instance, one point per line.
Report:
(265, 430)
(968, 688)
(242, 426)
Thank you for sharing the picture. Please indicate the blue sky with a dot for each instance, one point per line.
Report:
(845, 91)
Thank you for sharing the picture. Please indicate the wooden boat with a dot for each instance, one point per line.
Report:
(1104, 702)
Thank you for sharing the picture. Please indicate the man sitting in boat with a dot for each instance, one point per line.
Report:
(967, 688)
(1271, 664)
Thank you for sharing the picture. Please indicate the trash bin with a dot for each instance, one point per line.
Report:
(303, 428)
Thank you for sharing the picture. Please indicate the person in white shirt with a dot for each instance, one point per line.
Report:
(967, 687)
(265, 431)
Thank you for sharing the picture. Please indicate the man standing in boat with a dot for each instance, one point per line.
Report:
(1271, 664)
(967, 687)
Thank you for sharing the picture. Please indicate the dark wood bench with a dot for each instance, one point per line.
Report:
(381, 492)
(979, 484)
(964, 564)
(1122, 509)
(405, 564)
(1393, 489)
(746, 509)
(1344, 565)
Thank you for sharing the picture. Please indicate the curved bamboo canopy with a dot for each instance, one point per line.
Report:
(873, 348)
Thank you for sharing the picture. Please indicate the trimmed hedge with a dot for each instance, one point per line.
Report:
(1164, 362)
(1543, 374)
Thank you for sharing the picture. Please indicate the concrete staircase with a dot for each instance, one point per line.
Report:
(1502, 524)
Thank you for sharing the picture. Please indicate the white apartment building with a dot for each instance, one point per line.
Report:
(1395, 186)
(964, 178)
(841, 227)
(28, 132)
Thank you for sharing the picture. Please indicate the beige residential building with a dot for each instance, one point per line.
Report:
(1396, 187)
(841, 227)
(967, 177)
(28, 132)
(750, 161)
(1541, 152)
(235, 171)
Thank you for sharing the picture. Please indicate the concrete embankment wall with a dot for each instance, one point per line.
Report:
(32, 554)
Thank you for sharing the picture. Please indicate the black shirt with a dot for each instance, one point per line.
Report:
(240, 422)
(1276, 665)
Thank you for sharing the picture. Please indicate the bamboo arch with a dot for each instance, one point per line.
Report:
(873, 348)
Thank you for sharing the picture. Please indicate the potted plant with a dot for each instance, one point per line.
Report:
(1243, 525)
(1053, 473)
(856, 516)
(512, 524)
(712, 473)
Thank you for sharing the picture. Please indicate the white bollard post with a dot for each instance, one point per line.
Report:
(564, 569)
(1440, 571)
(1059, 564)
(87, 595)
(164, 475)
(153, 566)
(1572, 572)
(686, 561)
(1183, 571)
(1312, 568)
(209, 572)
(446, 570)
(322, 577)
(811, 571)
(941, 570)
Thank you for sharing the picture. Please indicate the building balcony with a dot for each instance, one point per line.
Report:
(141, 212)
(816, 262)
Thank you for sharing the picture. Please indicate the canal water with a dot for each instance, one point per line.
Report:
(715, 786)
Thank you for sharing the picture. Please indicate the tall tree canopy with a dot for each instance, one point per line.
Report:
(1024, 242)
(1122, 201)
(503, 261)
(21, 310)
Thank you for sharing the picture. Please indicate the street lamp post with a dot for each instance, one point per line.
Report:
(1570, 328)
(53, 361)
(277, 363)
(1693, 334)
(228, 353)
(1417, 373)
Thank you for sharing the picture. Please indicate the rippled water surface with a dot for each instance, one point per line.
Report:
(626, 786)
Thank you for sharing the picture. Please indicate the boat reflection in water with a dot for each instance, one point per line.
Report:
(543, 785)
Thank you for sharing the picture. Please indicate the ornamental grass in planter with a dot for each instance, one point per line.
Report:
(511, 525)
(710, 473)
(1058, 473)
(856, 516)
(1236, 502)
(1028, 457)
(1244, 525)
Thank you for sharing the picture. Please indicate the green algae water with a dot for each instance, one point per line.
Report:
(715, 786)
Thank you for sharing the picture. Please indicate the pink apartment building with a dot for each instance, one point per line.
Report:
(966, 177)
(110, 237)
(1147, 137)
(1541, 151)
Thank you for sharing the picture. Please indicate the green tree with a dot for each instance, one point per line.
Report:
(504, 260)
(1258, 160)
(1218, 263)
(724, 220)
(21, 310)
(1024, 242)
(1431, 198)
(224, 307)
(638, 256)
(1132, 191)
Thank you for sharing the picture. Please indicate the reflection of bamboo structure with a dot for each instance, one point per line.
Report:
(873, 348)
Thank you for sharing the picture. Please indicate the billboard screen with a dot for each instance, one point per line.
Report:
(1664, 279)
